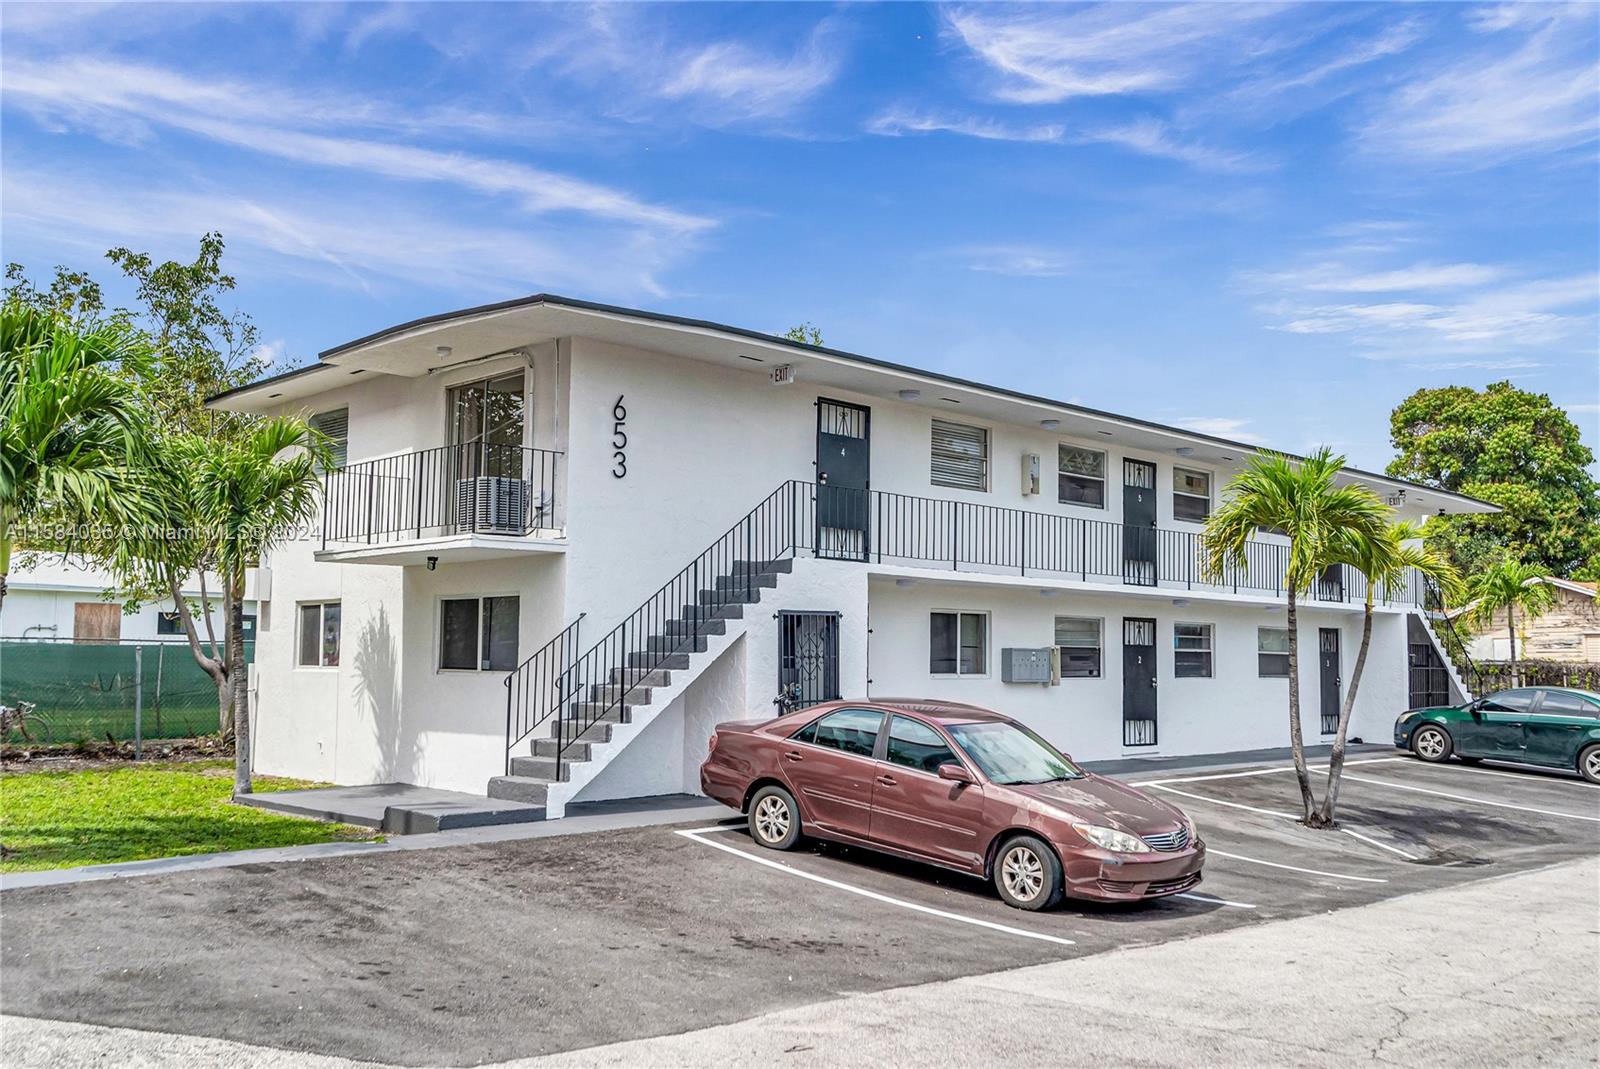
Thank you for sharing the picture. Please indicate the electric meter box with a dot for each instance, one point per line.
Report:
(1019, 665)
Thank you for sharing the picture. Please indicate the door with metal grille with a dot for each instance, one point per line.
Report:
(1328, 654)
(808, 655)
(1138, 523)
(1429, 680)
(1138, 682)
(843, 469)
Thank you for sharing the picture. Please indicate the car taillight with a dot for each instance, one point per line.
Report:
(711, 743)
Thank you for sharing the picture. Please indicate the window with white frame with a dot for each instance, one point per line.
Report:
(1191, 494)
(335, 427)
(960, 456)
(478, 634)
(1272, 652)
(319, 635)
(1080, 476)
(958, 643)
(1191, 651)
(1079, 640)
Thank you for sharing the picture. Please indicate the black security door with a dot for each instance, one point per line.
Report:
(1139, 522)
(843, 469)
(1328, 651)
(1429, 680)
(1138, 682)
(808, 654)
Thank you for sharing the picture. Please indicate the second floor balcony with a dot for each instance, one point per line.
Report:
(474, 501)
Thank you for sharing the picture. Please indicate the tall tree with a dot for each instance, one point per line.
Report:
(1510, 585)
(1514, 449)
(1300, 499)
(251, 492)
(1383, 558)
(73, 429)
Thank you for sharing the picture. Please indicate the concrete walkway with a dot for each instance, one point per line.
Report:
(1494, 973)
(397, 808)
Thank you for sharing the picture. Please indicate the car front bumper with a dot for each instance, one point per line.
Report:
(1105, 876)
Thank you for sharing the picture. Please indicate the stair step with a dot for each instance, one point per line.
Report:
(659, 661)
(764, 566)
(543, 768)
(520, 789)
(576, 751)
(731, 596)
(732, 611)
(697, 627)
(643, 677)
(593, 712)
(614, 692)
(677, 643)
(730, 582)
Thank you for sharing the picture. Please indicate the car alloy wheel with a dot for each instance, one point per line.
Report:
(1590, 769)
(773, 819)
(1023, 873)
(1430, 744)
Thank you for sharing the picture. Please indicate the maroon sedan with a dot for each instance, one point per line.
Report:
(956, 786)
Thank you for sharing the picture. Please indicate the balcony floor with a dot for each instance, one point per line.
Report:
(449, 549)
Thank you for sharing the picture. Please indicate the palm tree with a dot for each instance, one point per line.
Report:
(1384, 559)
(251, 492)
(1300, 499)
(1510, 585)
(73, 425)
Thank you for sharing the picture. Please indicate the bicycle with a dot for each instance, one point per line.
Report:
(24, 719)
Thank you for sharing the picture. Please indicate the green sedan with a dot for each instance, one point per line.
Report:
(1550, 726)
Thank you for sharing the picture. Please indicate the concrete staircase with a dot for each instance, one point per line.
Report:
(661, 667)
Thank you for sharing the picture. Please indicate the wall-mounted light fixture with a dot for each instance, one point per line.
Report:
(1050, 424)
(1184, 450)
(433, 562)
(908, 395)
(442, 351)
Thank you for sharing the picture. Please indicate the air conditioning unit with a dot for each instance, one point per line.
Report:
(496, 504)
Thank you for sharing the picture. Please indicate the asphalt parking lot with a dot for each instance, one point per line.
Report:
(462, 955)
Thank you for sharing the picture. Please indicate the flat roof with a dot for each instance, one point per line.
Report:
(557, 301)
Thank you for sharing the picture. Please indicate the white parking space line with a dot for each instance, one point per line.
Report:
(1213, 901)
(1214, 852)
(695, 834)
(1541, 778)
(1254, 772)
(1276, 813)
(1381, 845)
(1219, 801)
(1470, 798)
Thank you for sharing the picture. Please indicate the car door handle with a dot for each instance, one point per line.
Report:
(886, 781)
(793, 756)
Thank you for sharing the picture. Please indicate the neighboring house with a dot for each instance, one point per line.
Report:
(552, 507)
(1569, 631)
(63, 597)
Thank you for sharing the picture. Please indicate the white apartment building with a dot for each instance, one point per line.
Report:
(62, 597)
(567, 539)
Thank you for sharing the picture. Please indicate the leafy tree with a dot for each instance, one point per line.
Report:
(804, 333)
(1510, 585)
(1383, 558)
(1514, 449)
(1300, 499)
(73, 429)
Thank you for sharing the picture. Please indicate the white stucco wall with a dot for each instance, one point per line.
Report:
(41, 600)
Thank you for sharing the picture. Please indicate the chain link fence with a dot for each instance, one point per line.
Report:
(129, 691)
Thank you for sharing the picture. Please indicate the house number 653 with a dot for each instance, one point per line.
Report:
(619, 439)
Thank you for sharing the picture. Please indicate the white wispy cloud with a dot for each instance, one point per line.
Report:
(1221, 427)
(897, 122)
(1017, 261)
(1339, 278)
(101, 94)
(365, 244)
(1532, 86)
(1152, 137)
(742, 81)
(1046, 54)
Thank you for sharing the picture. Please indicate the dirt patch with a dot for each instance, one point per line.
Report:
(71, 757)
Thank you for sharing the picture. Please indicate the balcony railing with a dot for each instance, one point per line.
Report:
(504, 490)
(890, 528)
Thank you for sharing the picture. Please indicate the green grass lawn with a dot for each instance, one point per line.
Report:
(51, 820)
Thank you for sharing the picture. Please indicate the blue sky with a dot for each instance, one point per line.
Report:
(1269, 222)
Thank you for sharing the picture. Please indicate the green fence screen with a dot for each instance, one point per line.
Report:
(87, 690)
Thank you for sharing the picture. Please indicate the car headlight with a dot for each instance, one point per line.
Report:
(1112, 839)
(1194, 829)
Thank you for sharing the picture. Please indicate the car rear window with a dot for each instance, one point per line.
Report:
(853, 731)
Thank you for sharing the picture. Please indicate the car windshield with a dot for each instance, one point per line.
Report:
(1011, 755)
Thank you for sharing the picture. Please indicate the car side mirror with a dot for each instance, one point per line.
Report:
(955, 772)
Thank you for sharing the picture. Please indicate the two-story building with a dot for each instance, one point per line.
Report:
(566, 539)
